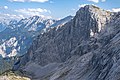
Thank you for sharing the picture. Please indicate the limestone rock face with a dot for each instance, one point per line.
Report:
(57, 44)
(85, 48)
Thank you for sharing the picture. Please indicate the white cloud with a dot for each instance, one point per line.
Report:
(83, 5)
(21, 16)
(116, 9)
(42, 1)
(38, 0)
(17, 0)
(3, 7)
(13, 16)
(97, 1)
(10, 16)
(34, 12)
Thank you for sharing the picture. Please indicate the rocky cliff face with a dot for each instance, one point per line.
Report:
(86, 48)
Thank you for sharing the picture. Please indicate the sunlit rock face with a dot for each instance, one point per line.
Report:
(58, 44)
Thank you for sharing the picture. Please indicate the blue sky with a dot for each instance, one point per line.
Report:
(50, 8)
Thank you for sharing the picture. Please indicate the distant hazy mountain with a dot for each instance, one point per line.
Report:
(17, 36)
(7, 23)
(2, 26)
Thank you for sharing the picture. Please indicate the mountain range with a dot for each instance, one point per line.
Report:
(87, 47)
(17, 36)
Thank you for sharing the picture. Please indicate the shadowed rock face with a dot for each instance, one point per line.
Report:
(86, 48)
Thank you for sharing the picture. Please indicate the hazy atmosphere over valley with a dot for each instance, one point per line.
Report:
(59, 40)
